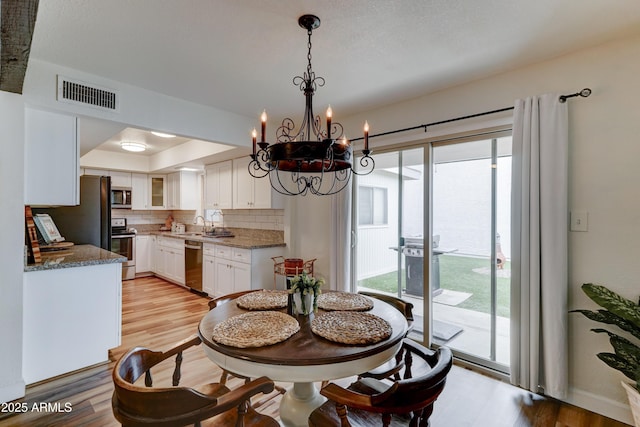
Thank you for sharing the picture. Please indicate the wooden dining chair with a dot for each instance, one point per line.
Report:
(145, 405)
(405, 402)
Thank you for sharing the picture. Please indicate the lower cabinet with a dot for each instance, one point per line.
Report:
(228, 269)
(143, 254)
(208, 273)
(169, 259)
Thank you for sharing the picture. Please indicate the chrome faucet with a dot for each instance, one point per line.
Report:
(204, 223)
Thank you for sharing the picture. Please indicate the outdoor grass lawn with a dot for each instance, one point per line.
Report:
(456, 274)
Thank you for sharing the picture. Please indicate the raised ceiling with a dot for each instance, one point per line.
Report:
(241, 55)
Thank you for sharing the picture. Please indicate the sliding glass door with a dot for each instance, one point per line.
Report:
(439, 237)
(471, 188)
(389, 224)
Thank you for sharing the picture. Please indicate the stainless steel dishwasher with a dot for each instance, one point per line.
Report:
(193, 264)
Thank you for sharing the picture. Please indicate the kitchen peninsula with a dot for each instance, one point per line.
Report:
(72, 311)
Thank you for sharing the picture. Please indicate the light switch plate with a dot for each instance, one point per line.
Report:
(579, 221)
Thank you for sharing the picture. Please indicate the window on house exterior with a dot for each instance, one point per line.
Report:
(372, 206)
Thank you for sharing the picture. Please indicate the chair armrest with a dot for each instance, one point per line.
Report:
(245, 392)
(347, 397)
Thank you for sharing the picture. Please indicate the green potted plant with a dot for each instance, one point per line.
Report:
(305, 290)
(624, 314)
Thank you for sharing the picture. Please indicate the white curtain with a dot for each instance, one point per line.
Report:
(539, 354)
(340, 269)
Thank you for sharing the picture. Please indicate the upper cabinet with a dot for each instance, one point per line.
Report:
(157, 191)
(52, 157)
(139, 191)
(118, 179)
(218, 185)
(250, 192)
(182, 190)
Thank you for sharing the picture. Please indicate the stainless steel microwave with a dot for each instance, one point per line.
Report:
(120, 198)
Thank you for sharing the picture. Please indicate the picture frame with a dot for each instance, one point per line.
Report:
(47, 229)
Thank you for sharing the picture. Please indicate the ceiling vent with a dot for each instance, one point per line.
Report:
(80, 93)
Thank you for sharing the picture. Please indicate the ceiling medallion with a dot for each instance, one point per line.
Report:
(310, 160)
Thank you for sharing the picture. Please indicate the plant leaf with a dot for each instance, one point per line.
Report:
(623, 348)
(613, 302)
(604, 316)
(619, 363)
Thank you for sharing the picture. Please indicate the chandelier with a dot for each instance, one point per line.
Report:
(309, 160)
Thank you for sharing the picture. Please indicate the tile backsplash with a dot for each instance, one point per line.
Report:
(261, 219)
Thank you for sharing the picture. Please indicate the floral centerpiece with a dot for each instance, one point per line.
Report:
(305, 290)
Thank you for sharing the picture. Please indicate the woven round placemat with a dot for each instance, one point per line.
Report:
(344, 301)
(255, 329)
(263, 300)
(351, 327)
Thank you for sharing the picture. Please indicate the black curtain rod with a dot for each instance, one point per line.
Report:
(563, 98)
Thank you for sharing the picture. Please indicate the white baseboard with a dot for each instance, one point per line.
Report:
(619, 411)
(9, 392)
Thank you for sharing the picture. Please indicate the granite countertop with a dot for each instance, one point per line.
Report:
(244, 238)
(76, 256)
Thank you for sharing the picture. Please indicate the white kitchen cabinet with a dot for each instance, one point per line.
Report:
(96, 172)
(158, 257)
(218, 186)
(241, 269)
(182, 191)
(208, 268)
(139, 191)
(52, 159)
(157, 191)
(120, 179)
(170, 259)
(143, 254)
(152, 253)
(250, 192)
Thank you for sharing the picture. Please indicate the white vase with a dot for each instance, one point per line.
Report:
(634, 402)
(308, 303)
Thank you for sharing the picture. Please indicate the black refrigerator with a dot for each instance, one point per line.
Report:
(88, 223)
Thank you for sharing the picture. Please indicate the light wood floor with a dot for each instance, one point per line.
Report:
(157, 314)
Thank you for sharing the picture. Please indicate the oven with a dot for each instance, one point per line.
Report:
(123, 242)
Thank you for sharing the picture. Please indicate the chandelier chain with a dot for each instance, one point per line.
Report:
(309, 52)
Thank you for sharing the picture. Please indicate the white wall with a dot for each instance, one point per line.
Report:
(139, 108)
(604, 180)
(12, 243)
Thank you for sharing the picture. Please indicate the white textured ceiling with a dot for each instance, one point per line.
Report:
(241, 55)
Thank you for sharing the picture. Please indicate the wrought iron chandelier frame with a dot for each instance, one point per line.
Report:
(308, 160)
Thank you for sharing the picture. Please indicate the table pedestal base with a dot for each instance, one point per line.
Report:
(298, 403)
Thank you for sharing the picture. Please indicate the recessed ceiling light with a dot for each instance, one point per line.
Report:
(133, 146)
(188, 169)
(163, 135)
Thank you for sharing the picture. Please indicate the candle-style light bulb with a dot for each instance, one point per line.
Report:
(366, 135)
(254, 135)
(263, 119)
(344, 140)
(329, 115)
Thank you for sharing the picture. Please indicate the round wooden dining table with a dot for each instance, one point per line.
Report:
(303, 359)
